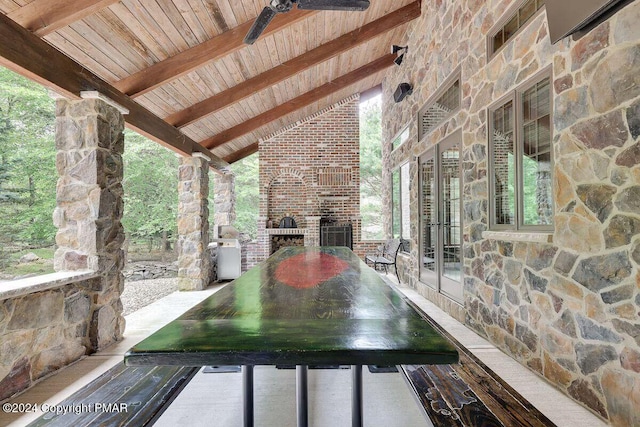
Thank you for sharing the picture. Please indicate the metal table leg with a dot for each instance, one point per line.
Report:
(247, 390)
(356, 396)
(302, 396)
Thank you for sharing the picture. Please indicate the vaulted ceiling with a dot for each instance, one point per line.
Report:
(182, 70)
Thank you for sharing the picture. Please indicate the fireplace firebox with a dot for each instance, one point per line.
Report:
(336, 235)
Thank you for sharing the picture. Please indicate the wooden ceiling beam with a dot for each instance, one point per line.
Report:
(224, 44)
(242, 153)
(294, 66)
(43, 17)
(299, 102)
(27, 54)
(253, 148)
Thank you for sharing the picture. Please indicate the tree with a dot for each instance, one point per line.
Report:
(27, 159)
(150, 189)
(247, 194)
(371, 169)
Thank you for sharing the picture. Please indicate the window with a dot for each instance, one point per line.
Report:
(400, 199)
(396, 205)
(521, 162)
(435, 112)
(400, 139)
(513, 24)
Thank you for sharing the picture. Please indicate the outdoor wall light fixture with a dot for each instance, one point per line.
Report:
(400, 51)
(402, 91)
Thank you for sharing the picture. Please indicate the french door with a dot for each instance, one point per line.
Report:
(441, 217)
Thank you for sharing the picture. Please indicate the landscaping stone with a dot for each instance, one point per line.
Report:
(27, 258)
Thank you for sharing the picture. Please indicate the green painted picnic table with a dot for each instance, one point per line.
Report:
(302, 306)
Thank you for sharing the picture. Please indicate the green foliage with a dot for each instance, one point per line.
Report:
(247, 194)
(150, 188)
(371, 169)
(27, 161)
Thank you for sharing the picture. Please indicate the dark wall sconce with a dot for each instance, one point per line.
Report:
(400, 51)
(402, 91)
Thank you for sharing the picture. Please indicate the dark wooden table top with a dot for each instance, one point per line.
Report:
(302, 306)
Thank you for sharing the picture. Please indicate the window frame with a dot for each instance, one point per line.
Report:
(516, 97)
(398, 137)
(455, 75)
(403, 234)
(507, 16)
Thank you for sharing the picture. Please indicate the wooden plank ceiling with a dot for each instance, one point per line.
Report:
(182, 69)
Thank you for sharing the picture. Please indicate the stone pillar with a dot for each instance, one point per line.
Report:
(224, 210)
(89, 197)
(194, 272)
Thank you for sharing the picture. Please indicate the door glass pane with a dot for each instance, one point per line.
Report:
(536, 158)
(451, 220)
(395, 205)
(502, 146)
(429, 215)
(405, 201)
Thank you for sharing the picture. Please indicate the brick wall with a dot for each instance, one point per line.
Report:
(312, 169)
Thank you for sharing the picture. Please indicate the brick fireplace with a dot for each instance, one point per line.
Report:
(311, 172)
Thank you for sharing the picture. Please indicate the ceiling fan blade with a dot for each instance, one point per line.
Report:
(259, 25)
(357, 5)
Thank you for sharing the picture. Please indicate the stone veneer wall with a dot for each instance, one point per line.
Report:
(42, 332)
(312, 170)
(59, 323)
(194, 258)
(224, 208)
(565, 304)
(89, 196)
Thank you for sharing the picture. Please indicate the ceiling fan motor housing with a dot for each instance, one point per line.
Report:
(281, 6)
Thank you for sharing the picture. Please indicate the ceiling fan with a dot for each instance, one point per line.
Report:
(282, 6)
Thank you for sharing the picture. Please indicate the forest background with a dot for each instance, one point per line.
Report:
(28, 183)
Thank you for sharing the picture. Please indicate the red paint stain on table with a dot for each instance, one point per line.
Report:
(307, 270)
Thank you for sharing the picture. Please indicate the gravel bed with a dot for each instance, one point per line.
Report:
(140, 293)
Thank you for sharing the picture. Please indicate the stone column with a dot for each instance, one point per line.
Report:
(89, 197)
(224, 199)
(194, 272)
